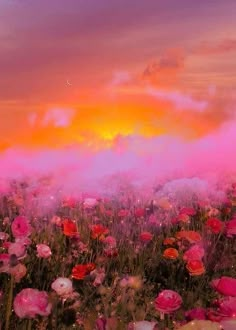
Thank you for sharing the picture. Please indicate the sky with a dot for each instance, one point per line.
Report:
(89, 73)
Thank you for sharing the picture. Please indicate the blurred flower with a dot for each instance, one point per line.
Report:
(139, 213)
(18, 249)
(228, 324)
(142, 325)
(123, 213)
(69, 228)
(62, 286)
(98, 231)
(31, 302)
(201, 325)
(195, 267)
(190, 235)
(56, 220)
(195, 252)
(215, 225)
(171, 253)
(231, 227)
(110, 241)
(169, 241)
(4, 262)
(225, 286)
(145, 236)
(196, 314)
(227, 307)
(43, 251)
(90, 202)
(18, 272)
(21, 227)
(168, 301)
(188, 211)
(3, 236)
(99, 275)
(163, 203)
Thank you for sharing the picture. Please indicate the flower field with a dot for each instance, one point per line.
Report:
(118, 262)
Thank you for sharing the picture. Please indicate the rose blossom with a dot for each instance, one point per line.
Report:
(31, 302)
(43, 251)
(194, 253)
(195, 267)
(168, 301)
(21, 227)
(225, 285)
(62, 286)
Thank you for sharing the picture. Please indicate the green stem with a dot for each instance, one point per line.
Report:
(9, 303)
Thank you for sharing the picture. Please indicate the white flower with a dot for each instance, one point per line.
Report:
(62, 286)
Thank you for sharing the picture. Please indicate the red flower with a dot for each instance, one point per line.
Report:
(98, 231)
(145, 236)
(215, 225)
(69, 228)
(80, 271)
(139, 213)
(187, 211)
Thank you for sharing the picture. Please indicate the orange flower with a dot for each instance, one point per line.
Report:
(171, 253)
(169, 241)
(69, 228)
(190, 235)
(80, 271)
(195, 267)
(98, 231)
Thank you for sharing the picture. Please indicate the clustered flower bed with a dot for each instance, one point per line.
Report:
(118, 264)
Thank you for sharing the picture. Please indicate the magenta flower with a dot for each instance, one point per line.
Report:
(225, 285)
(231, 228)
(21, 227)
(227, 307)
(168, 301)
(196, 252)
(196, 314)
(31, 302)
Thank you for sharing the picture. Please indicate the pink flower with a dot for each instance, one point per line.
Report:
(215, 225)
(227, 307)
(194, 253)
(4, 262)
(31, 302)
(3, 236)
(142, 325)
(110, 241)
(62, 286)
(225, 285)
(196, 314)
(90, 202)
(188, 211)
(21, 227)
(228, 324)
(168, 301)
(18, 271)
(43, 250)
(231, 228)
(18, 249)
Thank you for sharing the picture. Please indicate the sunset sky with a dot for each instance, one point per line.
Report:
(88, 72)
